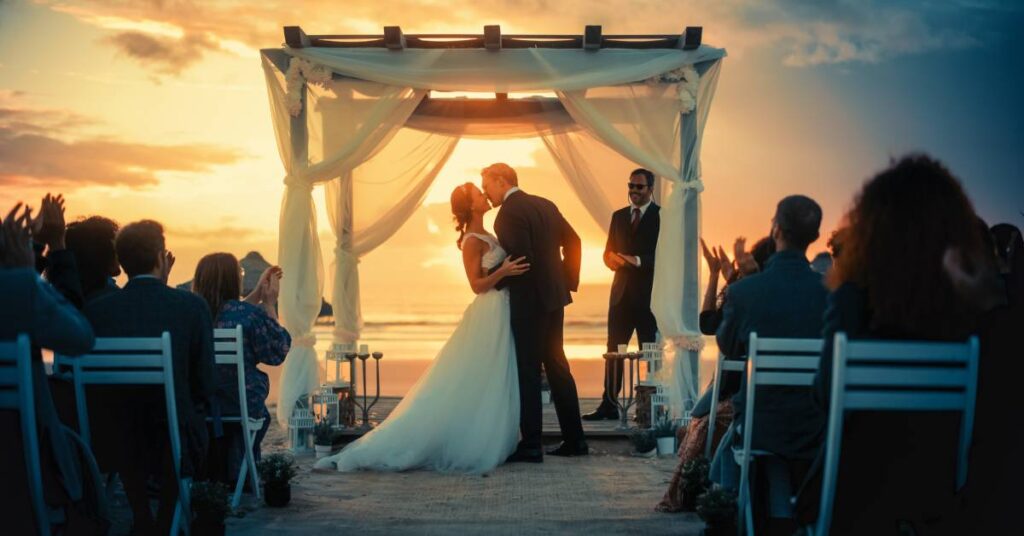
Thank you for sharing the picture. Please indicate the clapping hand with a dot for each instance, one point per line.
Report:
(714, 263)
(49, 226)
(728, 269)
(271, 284)
(15, 239)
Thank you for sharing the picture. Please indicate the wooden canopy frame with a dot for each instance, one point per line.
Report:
(492, 39)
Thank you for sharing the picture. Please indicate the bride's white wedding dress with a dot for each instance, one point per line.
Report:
(463, 413)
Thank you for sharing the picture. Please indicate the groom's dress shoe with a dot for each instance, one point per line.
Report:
(578, 448)
(527, 456)
(602, 414)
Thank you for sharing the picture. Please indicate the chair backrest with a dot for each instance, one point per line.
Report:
(228, 349)
(125, 361)
(721, 366)
(778, 362)
(16, 393)
(898, 376)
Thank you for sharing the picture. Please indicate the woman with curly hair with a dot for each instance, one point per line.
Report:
(907, 226)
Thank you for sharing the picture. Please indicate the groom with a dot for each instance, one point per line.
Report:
(532, 227)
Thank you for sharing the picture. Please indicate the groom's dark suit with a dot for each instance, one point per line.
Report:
(532, 227)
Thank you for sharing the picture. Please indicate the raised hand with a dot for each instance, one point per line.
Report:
(714, 264)
(49, 227)
(271, 284)
(15, 239)
(728, 269)
(739, 248)
(165, 268)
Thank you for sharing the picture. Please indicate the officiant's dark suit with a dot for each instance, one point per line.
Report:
(633, 233)
(532, 227)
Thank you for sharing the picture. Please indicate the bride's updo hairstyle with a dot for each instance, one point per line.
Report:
(462, 210)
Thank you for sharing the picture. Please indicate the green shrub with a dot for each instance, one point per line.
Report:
(277, 468)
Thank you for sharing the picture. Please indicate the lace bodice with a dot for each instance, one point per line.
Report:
(495, 255)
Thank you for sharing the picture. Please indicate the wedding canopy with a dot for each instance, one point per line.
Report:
(355, 114)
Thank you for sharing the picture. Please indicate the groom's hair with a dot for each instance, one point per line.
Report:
(501, 171)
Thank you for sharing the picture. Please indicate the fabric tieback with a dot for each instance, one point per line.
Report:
(636, 219)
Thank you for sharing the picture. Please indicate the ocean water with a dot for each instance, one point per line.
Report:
(411, 327)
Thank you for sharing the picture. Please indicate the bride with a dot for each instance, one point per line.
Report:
(463, 413)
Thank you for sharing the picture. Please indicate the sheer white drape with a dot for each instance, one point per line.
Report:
(642, 122)
(370, 204)
(339, 127)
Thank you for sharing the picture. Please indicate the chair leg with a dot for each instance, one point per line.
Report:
(236, 498)
(250, 460)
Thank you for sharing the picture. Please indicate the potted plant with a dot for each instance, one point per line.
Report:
(277, 471)
(323, 438)
(210, 507)
(695, 481)
(644, 442)
(717, 508)
(665, 432)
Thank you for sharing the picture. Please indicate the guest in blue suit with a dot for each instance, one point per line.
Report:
(785, 300)
(146, 307)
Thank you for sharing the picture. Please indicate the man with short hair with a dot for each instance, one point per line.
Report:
(532, 227)
(785, 300)
(147, 307)
(92, 242)
(629, 252)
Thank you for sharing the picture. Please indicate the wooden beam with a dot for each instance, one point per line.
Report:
(592, 38)
(393, 38)
(691, 37)
(492, 37)
(295, 37)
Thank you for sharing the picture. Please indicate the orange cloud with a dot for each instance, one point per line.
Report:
(165, 55)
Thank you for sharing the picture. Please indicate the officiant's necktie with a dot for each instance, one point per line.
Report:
(636, 220)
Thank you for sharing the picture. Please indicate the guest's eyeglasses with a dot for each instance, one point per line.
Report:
(635, 186)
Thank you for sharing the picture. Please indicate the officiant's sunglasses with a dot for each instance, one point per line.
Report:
(635, 186)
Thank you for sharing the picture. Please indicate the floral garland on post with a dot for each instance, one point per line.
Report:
(687, 80)
(301, 71)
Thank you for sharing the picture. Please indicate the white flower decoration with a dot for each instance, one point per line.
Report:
(300, 72)
(687, 81)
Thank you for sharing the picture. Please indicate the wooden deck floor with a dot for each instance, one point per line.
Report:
(386, 405)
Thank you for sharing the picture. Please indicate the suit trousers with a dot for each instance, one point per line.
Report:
(623, 319)
(538, 340)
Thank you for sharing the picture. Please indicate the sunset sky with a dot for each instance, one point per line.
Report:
(157, 109)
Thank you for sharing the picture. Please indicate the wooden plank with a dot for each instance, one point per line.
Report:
(294, 37)
(734, 365)
(784, 378)
(492, 37)
(915, 401)
(592, 37)
(393, 38)
(906, 376)
(128, 344)
(225, 346)
(8, 376)
(227, 359)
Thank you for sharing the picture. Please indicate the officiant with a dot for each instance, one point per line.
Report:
(632, 239)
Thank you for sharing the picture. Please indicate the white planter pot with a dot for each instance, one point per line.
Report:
(666, 446)
(323, 451)
(545, 397)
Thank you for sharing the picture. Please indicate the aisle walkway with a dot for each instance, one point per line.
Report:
(606, 493)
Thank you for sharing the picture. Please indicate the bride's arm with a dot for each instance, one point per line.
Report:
(479, 280)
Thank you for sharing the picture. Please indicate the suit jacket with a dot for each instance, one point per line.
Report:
(785, 300)
(634, 283)
(147, 307)
(532, 227)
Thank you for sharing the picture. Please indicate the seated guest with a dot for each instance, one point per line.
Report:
(218, 280)
(785, 300)
(994, 469)
(695, 437)
(33, 307)
(92, 243)
(147, 307)
(897, 469)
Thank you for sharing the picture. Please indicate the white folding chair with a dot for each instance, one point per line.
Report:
(723, 365)
(229, 350)
(897, 376)
(16, 394)
(132, 361)
(772, 362)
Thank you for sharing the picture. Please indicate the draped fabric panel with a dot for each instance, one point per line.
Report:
(525, 69)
